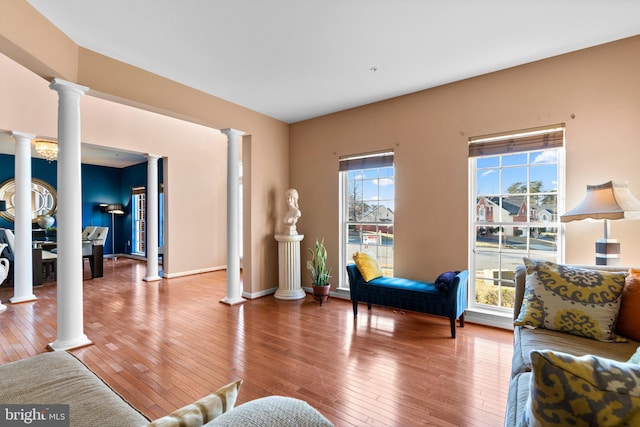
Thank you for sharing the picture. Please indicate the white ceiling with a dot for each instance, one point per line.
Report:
(298, 59)
(90, 154)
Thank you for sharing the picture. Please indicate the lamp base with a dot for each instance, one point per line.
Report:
(607, 252)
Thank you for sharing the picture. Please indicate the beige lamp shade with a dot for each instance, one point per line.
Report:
(611, 200)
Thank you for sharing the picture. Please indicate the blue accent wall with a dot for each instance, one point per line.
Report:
(100, 184)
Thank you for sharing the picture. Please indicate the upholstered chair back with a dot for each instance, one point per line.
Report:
(87, 233)
(100, 235)
(7, 237)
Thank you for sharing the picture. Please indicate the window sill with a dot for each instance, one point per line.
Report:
(489, 318)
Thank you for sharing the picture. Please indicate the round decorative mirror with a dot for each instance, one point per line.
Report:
(44, 199)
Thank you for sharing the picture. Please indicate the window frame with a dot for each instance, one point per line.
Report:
(138, 196)
(370, 161)
(503, 145)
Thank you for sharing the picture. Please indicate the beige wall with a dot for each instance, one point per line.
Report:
(429, 131)
(195, 150)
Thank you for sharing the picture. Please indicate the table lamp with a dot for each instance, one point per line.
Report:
(608, 201)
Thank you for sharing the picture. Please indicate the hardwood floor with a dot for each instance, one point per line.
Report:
(164, 344)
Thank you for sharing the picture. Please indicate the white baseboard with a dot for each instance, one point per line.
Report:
(189, 273)
(264, 293)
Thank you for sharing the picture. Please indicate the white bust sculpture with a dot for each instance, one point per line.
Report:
(293, 213)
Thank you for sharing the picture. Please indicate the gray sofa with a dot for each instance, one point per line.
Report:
(526, 340)
(60, 378)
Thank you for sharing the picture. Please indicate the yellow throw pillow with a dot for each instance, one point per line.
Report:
(572, 300)
(202, 411)
(367, 265)
(629, 314)
(581, 391)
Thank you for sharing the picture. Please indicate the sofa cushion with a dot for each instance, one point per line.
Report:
(405, 284)
(275, 411)
(588, 390)
(571, 300)
(60, 378)
(629, 314)
(367, 265)
(526, 340)
(203, 410)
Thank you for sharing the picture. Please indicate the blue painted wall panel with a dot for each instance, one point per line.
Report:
(100, 184)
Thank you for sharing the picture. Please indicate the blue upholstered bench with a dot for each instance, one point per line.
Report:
(412, 295)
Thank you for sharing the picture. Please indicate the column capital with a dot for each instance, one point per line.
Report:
(153, 157)
(23, 135)
(59, 84)
(230, 132)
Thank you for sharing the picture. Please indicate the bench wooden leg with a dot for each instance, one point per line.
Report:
(452, 321)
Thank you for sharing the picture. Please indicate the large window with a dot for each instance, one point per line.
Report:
(367, 205)
(161, 216)
(514, 193)
(138, 199)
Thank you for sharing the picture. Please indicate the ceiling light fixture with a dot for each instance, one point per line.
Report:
(47, 149)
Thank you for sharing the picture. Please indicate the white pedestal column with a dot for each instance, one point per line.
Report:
(70, 315)
(4, 272)
(23, 263)
(289, 267)
(152, 218)
(234, 291)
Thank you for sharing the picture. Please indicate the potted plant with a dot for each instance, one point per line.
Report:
(320, 274)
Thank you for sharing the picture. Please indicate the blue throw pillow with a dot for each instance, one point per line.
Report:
(443, 280)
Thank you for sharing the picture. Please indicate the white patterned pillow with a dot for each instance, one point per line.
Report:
(571, 300)
(203, 410)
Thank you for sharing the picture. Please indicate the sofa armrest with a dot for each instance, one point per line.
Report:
(521, 275)
(458, 292)
(354, 278)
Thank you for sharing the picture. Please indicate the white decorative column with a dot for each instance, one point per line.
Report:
(234, 292)
(4, 272)
(152, 218)
(70, 315)
(23, 263)
(289, 267)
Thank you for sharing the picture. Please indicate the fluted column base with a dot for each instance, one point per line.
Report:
(289, 267)
(59, 345)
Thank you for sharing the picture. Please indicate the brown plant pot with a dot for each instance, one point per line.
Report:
(321, 293)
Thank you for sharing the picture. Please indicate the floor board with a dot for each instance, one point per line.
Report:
(164, 344)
